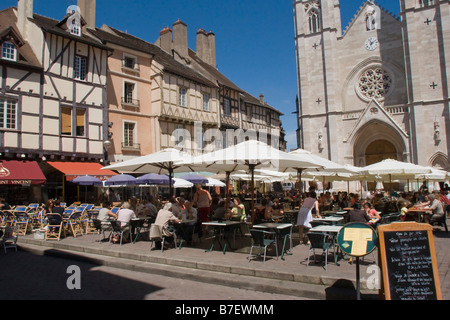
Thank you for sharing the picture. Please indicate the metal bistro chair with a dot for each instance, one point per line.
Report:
(443, 221)
(286, 234)
(137, 226)
(260, 241)
(99, 229)
(116, 230)
(156, 234)
(321, 241)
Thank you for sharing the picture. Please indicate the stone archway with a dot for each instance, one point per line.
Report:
(377, 141)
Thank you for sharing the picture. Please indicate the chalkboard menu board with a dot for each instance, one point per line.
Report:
(409, 262)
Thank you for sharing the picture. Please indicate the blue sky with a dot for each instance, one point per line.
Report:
(254, 38)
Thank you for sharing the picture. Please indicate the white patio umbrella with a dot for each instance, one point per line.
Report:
(394, 170)
(435, 175)
(164, 161)
(215, 183)
(249, 155)
(181, 183)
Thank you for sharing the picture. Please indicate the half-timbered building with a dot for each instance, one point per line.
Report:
(53, 92)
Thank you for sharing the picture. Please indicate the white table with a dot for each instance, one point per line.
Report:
(281, 230)
(332, 220)
(333, 230)
(220, 226)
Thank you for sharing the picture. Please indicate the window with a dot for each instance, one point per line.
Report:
(128, 92)
(9, 51)
(80, 68)
(128, 134)
(226, 107)
(81, 122)
(314, 21)
(75, 27)
(182, 100)
(66, 121)
(8, 114)
(206, 102)
(129, 62)
(426, 3)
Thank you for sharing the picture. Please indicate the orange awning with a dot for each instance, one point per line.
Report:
(73, 170)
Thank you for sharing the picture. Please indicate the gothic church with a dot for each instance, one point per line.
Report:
(378, 89)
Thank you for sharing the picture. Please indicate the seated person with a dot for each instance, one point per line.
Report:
(124, 216)
(238, 211)
(220, 212)
(57, 207)
(105, 215)
(358, 215)
(164, 218)
(189, 213)
(150, 205)
(372, 213)
(277, 208)
(139, 209)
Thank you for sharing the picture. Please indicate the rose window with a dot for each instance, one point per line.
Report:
(375, 83)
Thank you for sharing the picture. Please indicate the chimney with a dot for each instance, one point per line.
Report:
(87, 8)
(202, 46)
(180, 40)
(165, 39)
(212, 48)
(24, 11)
(261, 98)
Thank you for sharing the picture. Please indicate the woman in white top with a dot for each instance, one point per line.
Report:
(305, 215)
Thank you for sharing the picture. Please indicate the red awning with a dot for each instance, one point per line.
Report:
(20, 172)
(73, 170)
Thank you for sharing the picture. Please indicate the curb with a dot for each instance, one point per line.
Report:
(305, 286)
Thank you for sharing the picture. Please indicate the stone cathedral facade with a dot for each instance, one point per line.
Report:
(377, 89)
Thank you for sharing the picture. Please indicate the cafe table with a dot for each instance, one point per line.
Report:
(420, 212)
(282, 231)
(331, 230)
(332, 220)
(181, 229)
(222, 228)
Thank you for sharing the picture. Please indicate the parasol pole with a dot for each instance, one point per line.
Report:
(227, 193)
(252, 170)
(299, 173)
(170, 182)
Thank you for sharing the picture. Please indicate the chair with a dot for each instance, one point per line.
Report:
(260, 241)
(137, 226)
(9, 239)
(99, 228)
(321, 241)
(54, 227)
(22, 223)
(285, 234)
(73, 224)
(117, 230)
(156, 234)
(443, 222)
(10, 218)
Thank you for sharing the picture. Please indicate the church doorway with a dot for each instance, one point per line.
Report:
(377, 151)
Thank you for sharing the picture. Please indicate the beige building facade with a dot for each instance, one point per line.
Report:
(379, 88)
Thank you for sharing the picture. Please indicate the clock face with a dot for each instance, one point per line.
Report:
(371, 43)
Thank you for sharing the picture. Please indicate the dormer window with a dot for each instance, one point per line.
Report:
(75, 27)
(9, 51)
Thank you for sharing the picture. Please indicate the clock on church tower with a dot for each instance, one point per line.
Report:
(372, 43)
